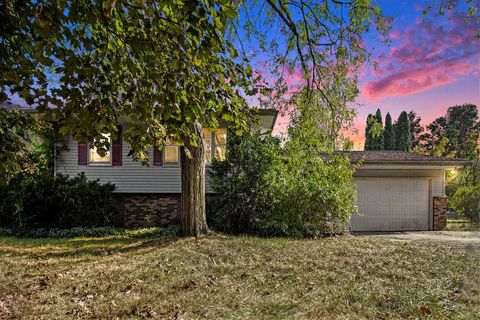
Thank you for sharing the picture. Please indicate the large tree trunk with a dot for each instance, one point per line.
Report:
(194, 222)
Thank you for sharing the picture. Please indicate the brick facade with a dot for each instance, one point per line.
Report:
(148, 209)
(440, 207)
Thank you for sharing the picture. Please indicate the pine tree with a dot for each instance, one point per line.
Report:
(389, 134)
(402, 133)
(378, 142)
(368, 133)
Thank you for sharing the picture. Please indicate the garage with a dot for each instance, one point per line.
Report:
(387, 204)
(400, 191)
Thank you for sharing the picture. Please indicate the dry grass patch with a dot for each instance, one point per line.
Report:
(236, 278)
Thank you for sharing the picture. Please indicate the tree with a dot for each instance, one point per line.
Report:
(368, 132)
(435, 138)
(378, 140)
(16, 129)
(416, 129)
(389, 133)
(169, 68)
(402, 133)
(462, 130)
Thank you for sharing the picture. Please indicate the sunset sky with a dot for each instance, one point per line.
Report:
(425, 70)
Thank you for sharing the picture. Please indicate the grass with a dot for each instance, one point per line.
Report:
(220, 277)
(461, 225)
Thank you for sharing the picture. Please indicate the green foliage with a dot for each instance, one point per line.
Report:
(15, 134)
(315, 196)
(242, 183)
(389, 133)
(265, 189)
(416, 130)
(45, 201)
(162, 66)
(402, 133)
(454, 135)
(377, 132)
(368, 132)
(27, 144)
(466, 201)
(462, 131)
(434, 140)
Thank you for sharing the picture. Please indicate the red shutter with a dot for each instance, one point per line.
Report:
(157, 156)
(82, 153)
(117, 149)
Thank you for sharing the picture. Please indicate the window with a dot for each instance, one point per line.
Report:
(171, 153)
(101, 155)
(215, 144)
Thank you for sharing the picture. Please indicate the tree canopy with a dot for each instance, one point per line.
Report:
(416, 129)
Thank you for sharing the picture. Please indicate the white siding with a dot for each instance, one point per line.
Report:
(438, 184)
(131, 177)
(437, 176)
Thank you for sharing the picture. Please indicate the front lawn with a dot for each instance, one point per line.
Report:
(236, 278)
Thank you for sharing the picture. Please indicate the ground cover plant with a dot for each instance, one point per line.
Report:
(219, 277)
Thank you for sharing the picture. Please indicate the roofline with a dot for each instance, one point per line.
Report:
(445, 163)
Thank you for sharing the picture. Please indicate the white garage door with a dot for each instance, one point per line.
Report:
(389, 204)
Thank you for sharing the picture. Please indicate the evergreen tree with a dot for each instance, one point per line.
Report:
(402, 133)
(377, 133)
(389, 135)
(368, 133)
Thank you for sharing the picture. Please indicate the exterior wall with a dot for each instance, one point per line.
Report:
(148, 209)
(440, 208)
(130, 177)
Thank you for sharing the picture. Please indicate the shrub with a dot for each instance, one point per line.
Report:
(264, 189)
(244, 190)
(466, 201)
(45, 201)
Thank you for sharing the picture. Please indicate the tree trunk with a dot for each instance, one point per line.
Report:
(194, 221)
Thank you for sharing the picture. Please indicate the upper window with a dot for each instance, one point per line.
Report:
(215, 144)
(101, 155)
(171, 153)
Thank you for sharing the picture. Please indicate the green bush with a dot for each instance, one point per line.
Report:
(244, 192)
(45, 201)
(466, 201)
(264, 189)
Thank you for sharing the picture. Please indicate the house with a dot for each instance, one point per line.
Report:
(145, 195)
(400, 191)
(396, 190)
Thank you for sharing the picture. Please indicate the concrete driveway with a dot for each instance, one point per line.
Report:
(455, 238)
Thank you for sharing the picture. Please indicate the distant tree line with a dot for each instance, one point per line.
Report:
(454, 135)
(394, 136)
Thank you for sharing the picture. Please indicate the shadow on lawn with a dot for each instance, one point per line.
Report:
(46, 248)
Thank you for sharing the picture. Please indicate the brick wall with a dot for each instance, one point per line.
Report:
(440, 212)
(148, 209)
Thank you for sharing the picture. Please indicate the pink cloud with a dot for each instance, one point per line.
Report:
(425, 58)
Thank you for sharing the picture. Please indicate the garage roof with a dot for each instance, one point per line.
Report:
(402, 157)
